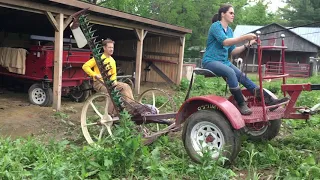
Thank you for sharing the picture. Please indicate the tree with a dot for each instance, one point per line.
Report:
(299, 12)
(256, 14)
(192, 14)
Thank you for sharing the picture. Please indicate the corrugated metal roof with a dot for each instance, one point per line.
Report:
(311, 34)
(244, 29)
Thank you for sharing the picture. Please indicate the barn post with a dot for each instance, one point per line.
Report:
(59, 26)
(141, 34)
(181, 56)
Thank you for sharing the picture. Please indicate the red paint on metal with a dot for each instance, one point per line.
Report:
(209, 139)
(294, 90)
(194, 104)
(283, 61)
(275, 76)
(40, 63)
(264, 115)
(292, 69)
(274, 47)
(296, 87)
(257, 115)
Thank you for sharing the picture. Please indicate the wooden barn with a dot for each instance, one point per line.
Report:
(302, 43)
(150, 50)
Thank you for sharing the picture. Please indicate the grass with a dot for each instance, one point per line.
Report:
(294, 154)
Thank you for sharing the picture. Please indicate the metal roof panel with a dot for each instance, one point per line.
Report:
(308, 33)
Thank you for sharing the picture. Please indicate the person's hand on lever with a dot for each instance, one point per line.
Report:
(251, 36)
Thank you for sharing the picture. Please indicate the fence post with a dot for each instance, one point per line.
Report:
(314, 65)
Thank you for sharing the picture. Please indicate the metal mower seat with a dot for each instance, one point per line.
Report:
(207, 73)
(204, 72)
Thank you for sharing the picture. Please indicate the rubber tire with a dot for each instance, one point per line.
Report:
(232, 137)
(49, 95)
(271, 132)
(85, 94)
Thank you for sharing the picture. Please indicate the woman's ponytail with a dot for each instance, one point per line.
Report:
(215, 18)
(223, 9)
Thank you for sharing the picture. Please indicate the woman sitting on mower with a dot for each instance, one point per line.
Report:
(220, 44)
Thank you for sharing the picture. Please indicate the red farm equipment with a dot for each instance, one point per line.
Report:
(38, 72)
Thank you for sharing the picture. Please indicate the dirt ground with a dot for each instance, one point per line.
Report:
(19, 118)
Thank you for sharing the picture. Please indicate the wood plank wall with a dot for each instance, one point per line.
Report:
(155, 48)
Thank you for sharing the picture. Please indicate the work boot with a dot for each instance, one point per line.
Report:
(243, 108)
(269, 100)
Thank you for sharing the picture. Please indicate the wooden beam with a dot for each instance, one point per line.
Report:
(67, 22)
(103, 20)
(52, 20)
(35, 7)
(181, 56)
(20, 8)
(58, 51)
(181, 41)
(127, 25)
(118, 14)
(163, 75)
(140, 33)
(145, 34)
(160, 61)
(160, 54)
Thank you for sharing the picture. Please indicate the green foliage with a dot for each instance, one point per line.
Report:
(209, 167)
(299, 12)
(294, 154)
(184, 85)
(192, 14)
(201, 86)
(256, 15)
(122, 157)
(292, 157)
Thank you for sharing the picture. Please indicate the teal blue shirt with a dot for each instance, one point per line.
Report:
(215, 50)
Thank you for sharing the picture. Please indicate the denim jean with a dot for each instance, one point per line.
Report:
(231, 73)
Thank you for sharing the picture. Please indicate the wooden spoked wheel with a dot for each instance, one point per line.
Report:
(96, 123)
(159, 99)
(128, 81)
(163, 103)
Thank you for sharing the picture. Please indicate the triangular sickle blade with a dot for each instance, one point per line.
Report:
(79, 36)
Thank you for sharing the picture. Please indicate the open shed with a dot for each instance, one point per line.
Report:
(148, 49)
(301, 42)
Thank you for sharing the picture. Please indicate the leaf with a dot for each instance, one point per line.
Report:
(314, 172)
(107, 163)
(156, 153)
(310, 160)
(92, 173)
(94, 164)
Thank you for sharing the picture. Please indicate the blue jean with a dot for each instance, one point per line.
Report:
(231, 73)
